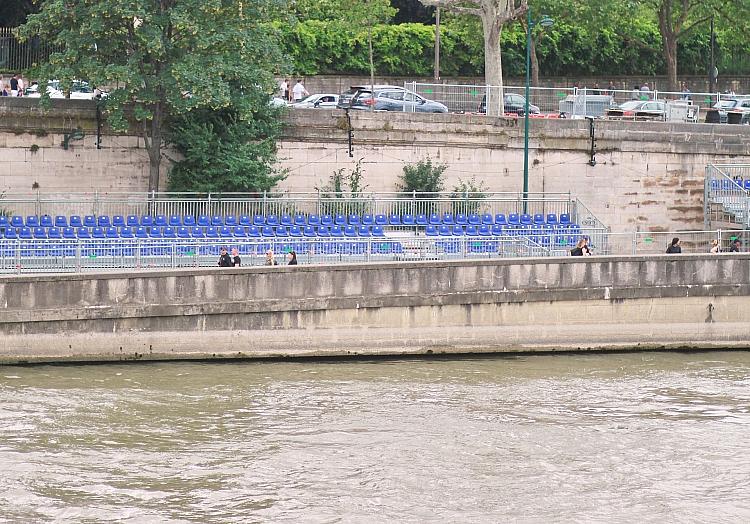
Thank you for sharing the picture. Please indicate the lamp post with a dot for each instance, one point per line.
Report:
(544, 22)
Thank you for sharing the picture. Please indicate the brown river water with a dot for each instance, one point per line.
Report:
(641, 437)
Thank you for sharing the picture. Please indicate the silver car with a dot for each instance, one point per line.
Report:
(321, 101)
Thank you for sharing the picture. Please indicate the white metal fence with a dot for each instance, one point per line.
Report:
(727, 195)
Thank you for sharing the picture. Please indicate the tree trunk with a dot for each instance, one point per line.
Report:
(670, 58)
(493, 66)
(153, 138)
(534, 63)
(372, 67)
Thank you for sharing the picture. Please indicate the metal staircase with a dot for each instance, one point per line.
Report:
(727, 196)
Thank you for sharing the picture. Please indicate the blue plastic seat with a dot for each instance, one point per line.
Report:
(282, 231)
(253, 232)
(313, 220)
(188, 220)
(394, 220)
(32, 221)
(368, 220)
(225, 232)
(175, 220)
(161, 221)
(230, 220)
(435, 219)
(54, 233)
(324, 232)
(354, 220)
(132, 221)
(196, 232)
(212, 232)
(337, 231)
(4, 222)
(239, 232)
(461, 219)
(98, 232)
(103, 221)
(448, 219)
(746, 184)
(350, 230)
(378, 231)
(431, 231)
(422, 220)
(526, 219)
(118, 221)
(339, 220)
(147, 221)
(514, 219)
(286, 220)
(444, 230)
(475, 219)
(126, 232)
(484, 230)
(217, 220)
(551, 218)
(300, 220)
(203, 221)
(295, 231)
(82, 232)
(141, 232)
(309, 231)
(408, 220)
(12, 234)
(61, 221)
(363, 230)
(538, 218)
(259, 220)
(496, 230)
(46, 221)
(16, 221)
(458, 231)
(487, 219)
(111, 232)
(245, 220)
(40, 232)
(169, 232)
(564, 218)
(268, 231)
(326, 220)
(273, 220)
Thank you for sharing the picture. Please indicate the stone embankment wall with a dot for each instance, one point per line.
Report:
(648, 176)
(689, 301)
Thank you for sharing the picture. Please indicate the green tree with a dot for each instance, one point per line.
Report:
(162, 58)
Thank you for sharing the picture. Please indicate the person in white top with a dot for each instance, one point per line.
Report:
(299, 91)
(284, 89)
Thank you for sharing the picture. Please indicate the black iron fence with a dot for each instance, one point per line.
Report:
(17, 56)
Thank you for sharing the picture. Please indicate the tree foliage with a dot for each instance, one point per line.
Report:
(162, 58)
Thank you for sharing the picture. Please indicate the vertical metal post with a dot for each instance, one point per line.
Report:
(526, 112)
(437, 44)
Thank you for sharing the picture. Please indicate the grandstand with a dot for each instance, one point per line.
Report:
(727, 196)
(78, 242)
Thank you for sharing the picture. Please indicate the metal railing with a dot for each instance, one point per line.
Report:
(19, 56)
(573, 102)
(39, 203)
(727, 195)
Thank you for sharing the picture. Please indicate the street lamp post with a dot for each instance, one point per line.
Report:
(544, 22)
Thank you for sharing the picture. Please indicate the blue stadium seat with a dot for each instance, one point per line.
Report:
(212, 232)
(197, 232)
(217, 220)
(253, 232)
(40, 232)
(363, 231)
(102, 221)
(295, 231)
(394, 220)
(132, 221)
(500, 219)
(487, 219)
(174, 221)
(432, 231)
(126, 232)
(514, 219)
(267, 231)
(147, 221)
(32, 221)
(461, 219)
(746, 184)
(339, 220)
(54, 233)
(564, 219)
(225, 232)
(496, 229)
(300, 220)
(472, 230)
(202, 221)
(309, 231)
(282, 231)
(381, 220)
(118, 221)
(422, 220)
(377, 231)
(526, 219)
(313, 220)
(273, 220)
(354, 220)
(408, 220)
(458, 231)
(245, 220)
(286, 220)
(350, 230)
(326, 220)
(169, 232)
(98, 232)
(111, 232)
(324, 232)
(259, 220)
(230, 220)
(189, 221)
(484, 230)
(61, 221)
(475, 220)
(11, 234)
(161, 221)
(83, 232)
(551, 218)
(538, 219)
(239, 232)
(16, 221)
(141, 232)
(445, 230)
(337, 231)
(435, 219)
(368, 220)
(448, 219)
(46, 221)
(67, 232)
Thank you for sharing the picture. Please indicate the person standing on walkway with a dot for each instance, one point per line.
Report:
(674, 247)
(236, 260)
(715, 246)
(735, 247)
(14, 85)
(224, 259)
(292, 258)
(299, 92)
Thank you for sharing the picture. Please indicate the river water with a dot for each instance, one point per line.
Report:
(649, 437)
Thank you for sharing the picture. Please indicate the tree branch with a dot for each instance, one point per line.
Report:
(451, 5)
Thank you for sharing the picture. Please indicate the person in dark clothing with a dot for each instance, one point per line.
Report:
(735, 247)
(236, 260)
(582, 248)
(292, 259)
(674, 247)
(224, 259)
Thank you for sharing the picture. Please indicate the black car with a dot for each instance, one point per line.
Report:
(512, 103)
(388, 98)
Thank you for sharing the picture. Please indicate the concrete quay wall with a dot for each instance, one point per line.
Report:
(504, 306)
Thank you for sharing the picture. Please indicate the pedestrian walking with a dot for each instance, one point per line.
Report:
(674, 247)
(299, 92)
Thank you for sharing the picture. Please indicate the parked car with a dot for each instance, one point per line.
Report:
(388, 98)
(733, 105)
(53, 90)
(640, 109)
(79, 90)
(321, 101)
(512, 103)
